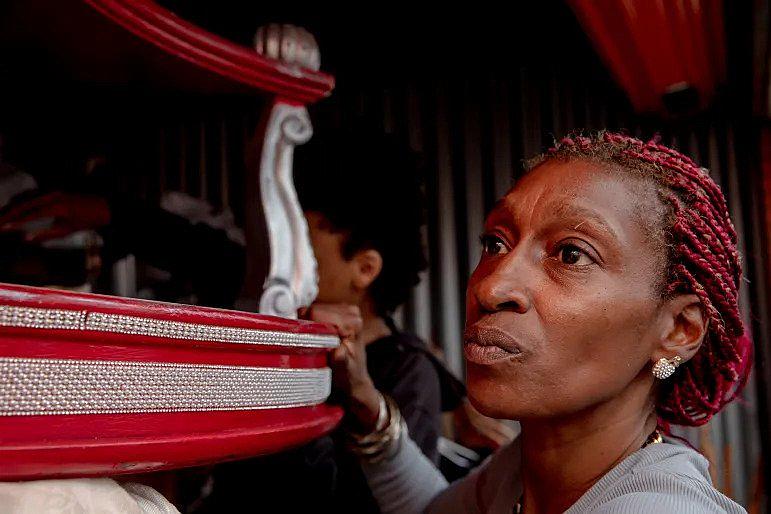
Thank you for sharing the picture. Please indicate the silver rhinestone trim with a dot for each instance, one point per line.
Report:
(33, 317)
(59, 386)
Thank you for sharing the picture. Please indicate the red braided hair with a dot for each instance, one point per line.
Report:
(702, 260)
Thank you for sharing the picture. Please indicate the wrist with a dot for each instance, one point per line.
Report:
(364, 408)
(376, 444)
(362, 389)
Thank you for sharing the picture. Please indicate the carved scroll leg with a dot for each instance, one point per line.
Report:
(292, 280)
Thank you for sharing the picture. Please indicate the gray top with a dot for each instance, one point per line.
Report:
(663, 478)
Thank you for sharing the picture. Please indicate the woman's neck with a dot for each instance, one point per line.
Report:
(563, 458)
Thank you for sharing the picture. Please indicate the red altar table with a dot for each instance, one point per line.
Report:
(97, 386)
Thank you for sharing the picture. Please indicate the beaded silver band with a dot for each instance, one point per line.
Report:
(31, 386)
(65, 319)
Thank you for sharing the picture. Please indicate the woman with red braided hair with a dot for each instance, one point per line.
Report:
(604, 309)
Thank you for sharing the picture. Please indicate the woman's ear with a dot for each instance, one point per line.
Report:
(367, 267)
(683, 330)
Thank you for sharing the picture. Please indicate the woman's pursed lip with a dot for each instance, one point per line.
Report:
(491, 336)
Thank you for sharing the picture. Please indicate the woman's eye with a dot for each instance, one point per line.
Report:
(492, 245)
(574, 256)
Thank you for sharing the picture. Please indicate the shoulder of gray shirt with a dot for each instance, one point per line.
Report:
(663, 478)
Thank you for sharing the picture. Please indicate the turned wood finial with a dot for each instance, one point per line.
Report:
(289, 44)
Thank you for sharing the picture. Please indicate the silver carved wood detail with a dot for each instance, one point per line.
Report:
(293, 46)
(292, 281)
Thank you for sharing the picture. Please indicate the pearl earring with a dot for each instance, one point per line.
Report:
(664, 368)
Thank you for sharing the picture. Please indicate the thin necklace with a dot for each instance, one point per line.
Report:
(654, 438)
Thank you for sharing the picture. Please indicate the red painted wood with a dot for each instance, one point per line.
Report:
(41, 297)
(143, 48)
(110, 444)
(34, 447)
(175, 36)
(53, 346)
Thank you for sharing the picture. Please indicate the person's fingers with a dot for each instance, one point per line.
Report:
(350, 317)
(353, 321)
(344, 366)
(345, 318)
(317, 312)
(344, 352)
(346, 347)
(337, 356)
(351, 349)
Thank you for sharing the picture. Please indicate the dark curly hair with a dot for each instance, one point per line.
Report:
(699, 242)
(368, 186)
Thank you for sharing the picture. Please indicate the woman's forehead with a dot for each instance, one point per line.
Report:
(572, 190)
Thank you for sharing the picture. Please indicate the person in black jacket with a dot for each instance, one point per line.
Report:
(361, 194)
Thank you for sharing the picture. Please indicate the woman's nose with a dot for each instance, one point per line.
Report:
(501, 291)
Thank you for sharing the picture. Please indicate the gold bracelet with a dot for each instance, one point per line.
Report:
(372, 447)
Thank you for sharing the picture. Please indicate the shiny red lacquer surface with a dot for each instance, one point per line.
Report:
(173, 35)
(109, 444)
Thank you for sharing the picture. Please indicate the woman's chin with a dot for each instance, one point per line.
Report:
(490, 402)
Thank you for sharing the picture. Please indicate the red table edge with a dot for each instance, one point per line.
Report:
(175, 36)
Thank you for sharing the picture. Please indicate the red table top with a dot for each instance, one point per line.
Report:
(94, 385)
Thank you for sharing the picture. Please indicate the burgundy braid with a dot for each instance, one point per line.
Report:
(703, 260)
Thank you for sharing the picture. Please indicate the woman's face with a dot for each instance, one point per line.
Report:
(562, 309)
